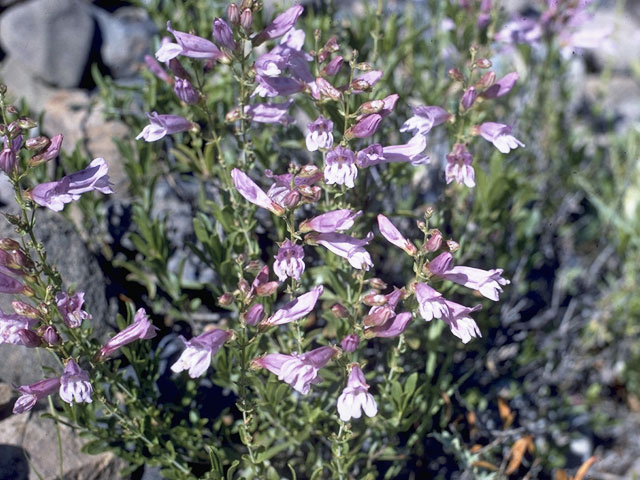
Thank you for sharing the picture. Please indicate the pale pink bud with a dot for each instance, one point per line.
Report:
(350, 343)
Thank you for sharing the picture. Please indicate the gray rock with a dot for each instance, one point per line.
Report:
(52, 38)
(126, 38)
(22, 84)
(37, 437)
(78, 267)
(6, 399)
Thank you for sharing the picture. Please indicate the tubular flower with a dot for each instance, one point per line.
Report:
(459, 166)
(346, 247)
(188, 45)
(487, 282)
(280, 25)
(34, 392)
(320, 134)
(54, 195)
(393, 235)
(336, 220)
(355, 398)
(289, 261)
(253, 193)
(502, 86)
(424, 119)
(297, 370)
(70, 308)
(197, 356)
(296, 309)
(460, 323)
(140, 329)
(163, 125)
(269, 112)
(340, 167)
(431, 303)
(500, 135)
(11, 327)
(75, 385)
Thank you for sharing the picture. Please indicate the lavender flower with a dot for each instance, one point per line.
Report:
(155, 68)
(254, 194)
(11, 325)
(280, 25)
(299, 371)
(320, 134)
(70, 308)
(286, 185)
(424, 119)
(431, 303)
(365, 127)
(460, 323)
(296, 309)
(333, 66)
(391, 328)
(163, 125)
(188, 46)
(393, 235)
(185, 92)
(346, 247)
(355, 397)
(54, 195)
(502, 86)
(468, 98)
(49, 153)
(289, 261)
(255, 314)
(223, 34)
(340, 167)
(350, 342)
(365, 81)
(8, 155)
(75, 385)
(487, 282)
(269, 112)
(459, 166)
(34, 392)
(140, 329)
(500, 135)
(335, 220)
(8, 284)
(197, 356)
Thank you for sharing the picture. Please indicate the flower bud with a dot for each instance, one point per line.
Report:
(223, 34)
(453, 246)
(340, 311)
(291, 199)
(374, 106)
(51, 151)
(185, 91)
(267, 289)
(378, 317)
(8, 160)
(360, 85)
(8, 244)
(377, 283)
(13, 219)
(350, 343)
(308, 171)
(328, 90)
(226, 299)
(24, 309)
(26, 123)
(468, 98)
(310, 193)
(428, 212)
(483, 63)
(12, 110)
(255, 314)
(456, 75)
(37, 144)
(27, 291)
(29, 338)
(254, 266)
(50, 335)
(233, 14)
(374, 300)
(435, 241)
(246, 20)
(486, 80)
(232, 116)
(19, 260)
(364, 128)
(333, 66)
(243, 286)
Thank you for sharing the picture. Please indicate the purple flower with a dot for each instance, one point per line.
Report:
(11, 325)
(350, 342)
(289, 261)
(393, 235)
(333, 66)
(189, 46)
(500, 135)
(487, 282)
(365, 81)
(355, 397)
(459, 166)
(140, 329)
(424, 119)
(391, 328)
(320, 134)
(75, 385)
(287, 184)
(522, 30)
(336, 220)
(269, 112)
(346, 247)
(277, 86)
(255, 314)
(280, 25)
(8, 155)
(197, 356)
(34, 392)
(365, 127)
(460, 323)
(262, 278)
(325, 89)
(185, 92)
(502, 86)
(8, 284)
(223, 34)
(253, 193)
(296, 309)
(155, 68)
(468, 98)
(431, 303)
(70, 308)
(54, 195)
(162, 125)
(340, 167)
(299, 371)
(50, 152)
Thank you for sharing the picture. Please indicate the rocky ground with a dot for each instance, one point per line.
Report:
(47, 48)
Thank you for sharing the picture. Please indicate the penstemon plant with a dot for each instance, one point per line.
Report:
(311, 343)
